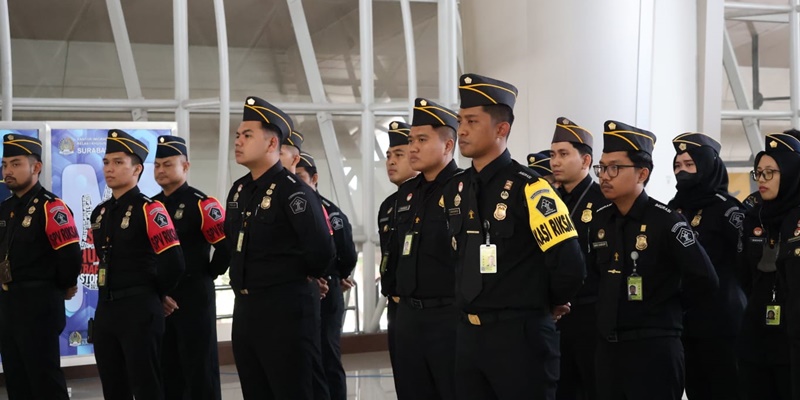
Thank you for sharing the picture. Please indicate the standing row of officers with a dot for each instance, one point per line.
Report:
(510, 281)
(290, 253)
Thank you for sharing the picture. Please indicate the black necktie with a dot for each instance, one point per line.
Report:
(471, 280)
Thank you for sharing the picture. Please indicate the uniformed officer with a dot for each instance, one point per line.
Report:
(279, 241)
(540, 163)
(427, 316)
(649, 262)
(767, 343)
(39, 270)
(189, 356)
(398, 169)
(290, 150)
(711, 327)
(519, 262)
(140, 262)
(337, 278)
(570, 161)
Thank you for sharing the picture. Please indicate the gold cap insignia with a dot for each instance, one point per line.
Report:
(612, 126)
(251, 101)
(532, 159)
(113, 134)
(682, 146)
(423, 103)
(565, 121)
(394, 125)
(467, 80)
(773, 144)
(10, 137)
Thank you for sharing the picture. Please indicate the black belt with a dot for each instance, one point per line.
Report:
(421, 304)
(491, 317)
(118, 294)
(22, 285)
(637, 334)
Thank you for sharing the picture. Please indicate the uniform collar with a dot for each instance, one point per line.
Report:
(639, 207)
(177, 191)
(30, 193)
(579, 188)
(266, 177)
(490, 170)
(130, 193)
(444, 175)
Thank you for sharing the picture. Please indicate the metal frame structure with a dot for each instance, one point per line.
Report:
(182, 105)
(746, 112)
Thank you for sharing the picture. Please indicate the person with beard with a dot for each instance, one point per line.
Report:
(710, 328)
(42, 260)
(638, 241)
(771, 240)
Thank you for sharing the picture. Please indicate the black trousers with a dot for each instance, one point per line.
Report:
(189, 356)
(30, 322)
(127, 346)
(425, 342)
(578, 342)
(764, 381)
(332, 315)
(275, 338)
(391, 315)
(508, 360)
(645, 369)
(712, 371)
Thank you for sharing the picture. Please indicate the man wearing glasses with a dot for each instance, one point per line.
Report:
(638, 241)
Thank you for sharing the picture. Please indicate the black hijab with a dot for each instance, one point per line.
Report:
(773, 211)
(700, 189)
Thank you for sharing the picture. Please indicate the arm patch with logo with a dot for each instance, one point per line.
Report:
(160, 231)
(212, 221)
(549, 216)
(59, 226)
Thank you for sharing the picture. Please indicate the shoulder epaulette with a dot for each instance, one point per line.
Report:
(662, 206)
(289, 177)
(47, 196)
(721, 197)
(147, 199)
(198, 193)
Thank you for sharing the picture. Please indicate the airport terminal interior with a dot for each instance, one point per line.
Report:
(344, 70)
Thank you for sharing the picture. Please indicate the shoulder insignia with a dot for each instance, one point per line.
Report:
(147, 199)
(289, 177)
(721, 197)
(662, 207)
(604, 207)
(160, 230)
(47, 196)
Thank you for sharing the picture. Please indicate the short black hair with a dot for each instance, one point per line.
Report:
(499, 113)
(583, 148)
(33, 159)
(447, 132)
(641, 159)
(269, 128)
(135, 160)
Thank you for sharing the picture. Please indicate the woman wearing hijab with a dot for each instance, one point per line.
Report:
(710, 327)
(771, 243)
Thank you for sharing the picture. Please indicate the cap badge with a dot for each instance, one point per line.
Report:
(682, 146)
(394, 125)
(612, 126)
(251, 101)
(423, 103)
(467, 80)
(773, 144)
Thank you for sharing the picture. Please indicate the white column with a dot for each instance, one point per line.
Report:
(632, 61)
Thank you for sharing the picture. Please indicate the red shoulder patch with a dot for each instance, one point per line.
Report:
(59, 224)
(160, 230)
(212, 221)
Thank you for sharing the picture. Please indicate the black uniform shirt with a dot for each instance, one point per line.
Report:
(136, 240)
(770, 260)
(43, 238)
(346, 255)
(539, 262)
(199, 221)
(429, 270)
(276, 230)
(583, 202)
(670, 263)
(387, 214)
(717, 226)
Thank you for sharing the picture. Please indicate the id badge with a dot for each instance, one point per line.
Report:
(773, 315)
(488, 259)
(5, 271)
(409, 239)
(240, 241)
(635, 289)
(384, 261)
(101, 276)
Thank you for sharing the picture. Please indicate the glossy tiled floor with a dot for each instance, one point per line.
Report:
(369, 377)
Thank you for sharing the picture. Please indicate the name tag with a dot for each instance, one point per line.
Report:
(597, 245)
(233, 204)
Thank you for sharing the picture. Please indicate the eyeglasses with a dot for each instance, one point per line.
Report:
(767, 174)
(611, 170)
